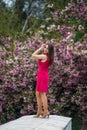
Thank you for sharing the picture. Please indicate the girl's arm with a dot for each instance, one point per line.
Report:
(36, 54)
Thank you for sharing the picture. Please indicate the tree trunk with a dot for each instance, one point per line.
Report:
(25, 24)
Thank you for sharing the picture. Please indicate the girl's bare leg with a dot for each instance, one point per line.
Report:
(45, 104)
(39, 104)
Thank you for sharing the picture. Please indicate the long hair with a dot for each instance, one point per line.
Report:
(51, 53)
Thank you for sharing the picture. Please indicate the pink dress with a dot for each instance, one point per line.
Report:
(42, 76)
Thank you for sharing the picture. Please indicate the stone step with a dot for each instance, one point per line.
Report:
(54, 122)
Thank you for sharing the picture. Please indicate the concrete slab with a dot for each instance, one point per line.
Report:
(54, 122)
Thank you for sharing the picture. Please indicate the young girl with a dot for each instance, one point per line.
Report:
(44, 61)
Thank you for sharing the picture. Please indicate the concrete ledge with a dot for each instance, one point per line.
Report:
(54, 122)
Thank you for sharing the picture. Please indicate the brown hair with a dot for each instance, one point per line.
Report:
(51, 53)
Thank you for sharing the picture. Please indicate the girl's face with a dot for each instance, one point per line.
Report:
(45, 49)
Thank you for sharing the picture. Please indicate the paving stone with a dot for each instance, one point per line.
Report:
(54, 122)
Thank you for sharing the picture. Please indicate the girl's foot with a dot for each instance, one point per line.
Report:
(38, 115)
(46, 114)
